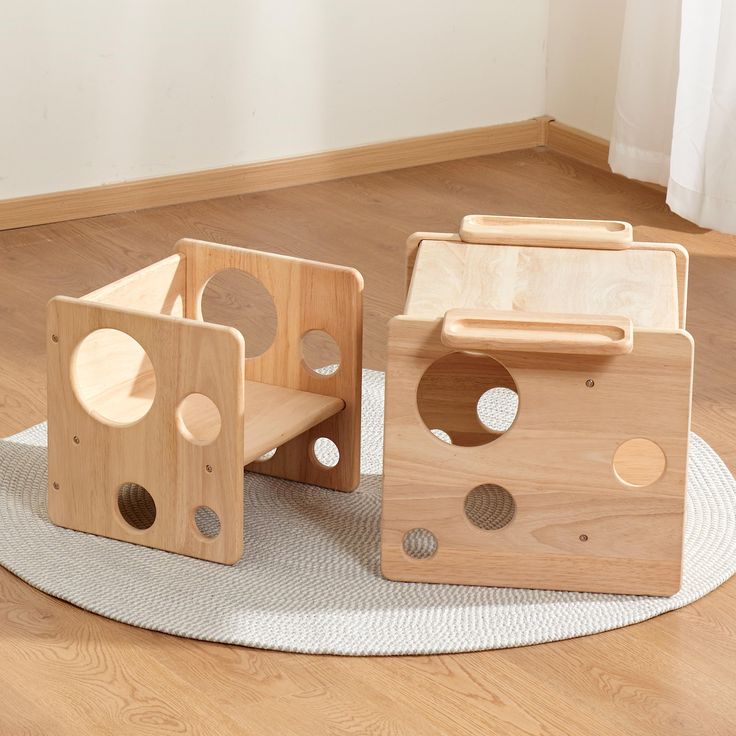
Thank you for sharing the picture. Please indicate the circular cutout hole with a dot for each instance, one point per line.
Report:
(440, 434)
(113, 377)
(207, 521)
(325, 452)
(639, 462)
(420, 543)
(238, 299)
(198, 419)
(266, 455)
(489, 507)
(320, 352)
(470, 395)
(136, 505)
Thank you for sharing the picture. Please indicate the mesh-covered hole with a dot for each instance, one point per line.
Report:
(207, 521)
(490, 506)
(136, 505)
(420, 543)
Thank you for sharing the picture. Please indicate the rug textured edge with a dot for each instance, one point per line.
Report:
(274, 599)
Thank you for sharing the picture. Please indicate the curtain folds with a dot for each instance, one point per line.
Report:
(675, 113)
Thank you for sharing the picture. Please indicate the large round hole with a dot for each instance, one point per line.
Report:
(420, 543)
(489, 506)
(639, 462)
(325, 452)
(136, 505)
(113, 377)
(207, 522)
(238, 299)
(471, 396)
(198, 419)
(320, 352)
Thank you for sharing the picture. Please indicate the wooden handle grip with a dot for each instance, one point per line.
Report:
(481, 329)
(595, 234)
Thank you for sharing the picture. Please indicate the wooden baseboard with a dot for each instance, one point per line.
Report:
(232, 180)
(578, 144)
(585, 147)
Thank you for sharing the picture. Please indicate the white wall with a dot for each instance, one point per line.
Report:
(584, 41)
(100, 92)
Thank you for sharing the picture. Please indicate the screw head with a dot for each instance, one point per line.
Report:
(583, 537)
(590, 383)
(208, 468)
(54, 338)
(76, 439)
(56, 486)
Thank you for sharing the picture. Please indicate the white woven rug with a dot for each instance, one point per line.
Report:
(309, 580)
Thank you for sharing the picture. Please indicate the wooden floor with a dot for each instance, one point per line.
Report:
(66, 671)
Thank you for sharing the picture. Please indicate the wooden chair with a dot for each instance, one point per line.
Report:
(585, 489)
(153, 413)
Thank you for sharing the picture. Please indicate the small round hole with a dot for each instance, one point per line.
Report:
(489, 507)
(207, 521)
(266, 455)
(240, 300)
(198, 419)
(113, 377)
(320, 352)
(639, 462)
(497, 408)
(325, 452)
(136, 505)
(420, 543)
(440, 434)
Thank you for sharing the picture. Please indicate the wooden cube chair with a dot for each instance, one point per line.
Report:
(154, 413)
(585, 489)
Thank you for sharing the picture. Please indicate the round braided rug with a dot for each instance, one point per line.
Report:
(309, 580)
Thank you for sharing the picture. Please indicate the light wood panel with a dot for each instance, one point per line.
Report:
(90, 459)
(576, 527)
(274, 415)
(262, 176)
(640, 284)
(651, 679)
(308, 296)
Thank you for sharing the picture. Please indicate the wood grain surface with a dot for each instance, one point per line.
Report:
(66, 671)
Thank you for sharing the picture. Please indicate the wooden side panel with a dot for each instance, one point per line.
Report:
(159, 288)
(308, 296)
(639, 284)
(576, 526)
(187, 357)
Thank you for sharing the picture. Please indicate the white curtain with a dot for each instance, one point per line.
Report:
(675, 116)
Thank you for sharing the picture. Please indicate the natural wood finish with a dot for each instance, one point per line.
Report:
(90, 459)
(308, 296)
(638, 283)
(266, 175)
(555, 233)
(670, 676)
(118, 403)
(158, 288)
(492, 330)
(639, 462)
(274, 415)
(578, 144)
(576, 526)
